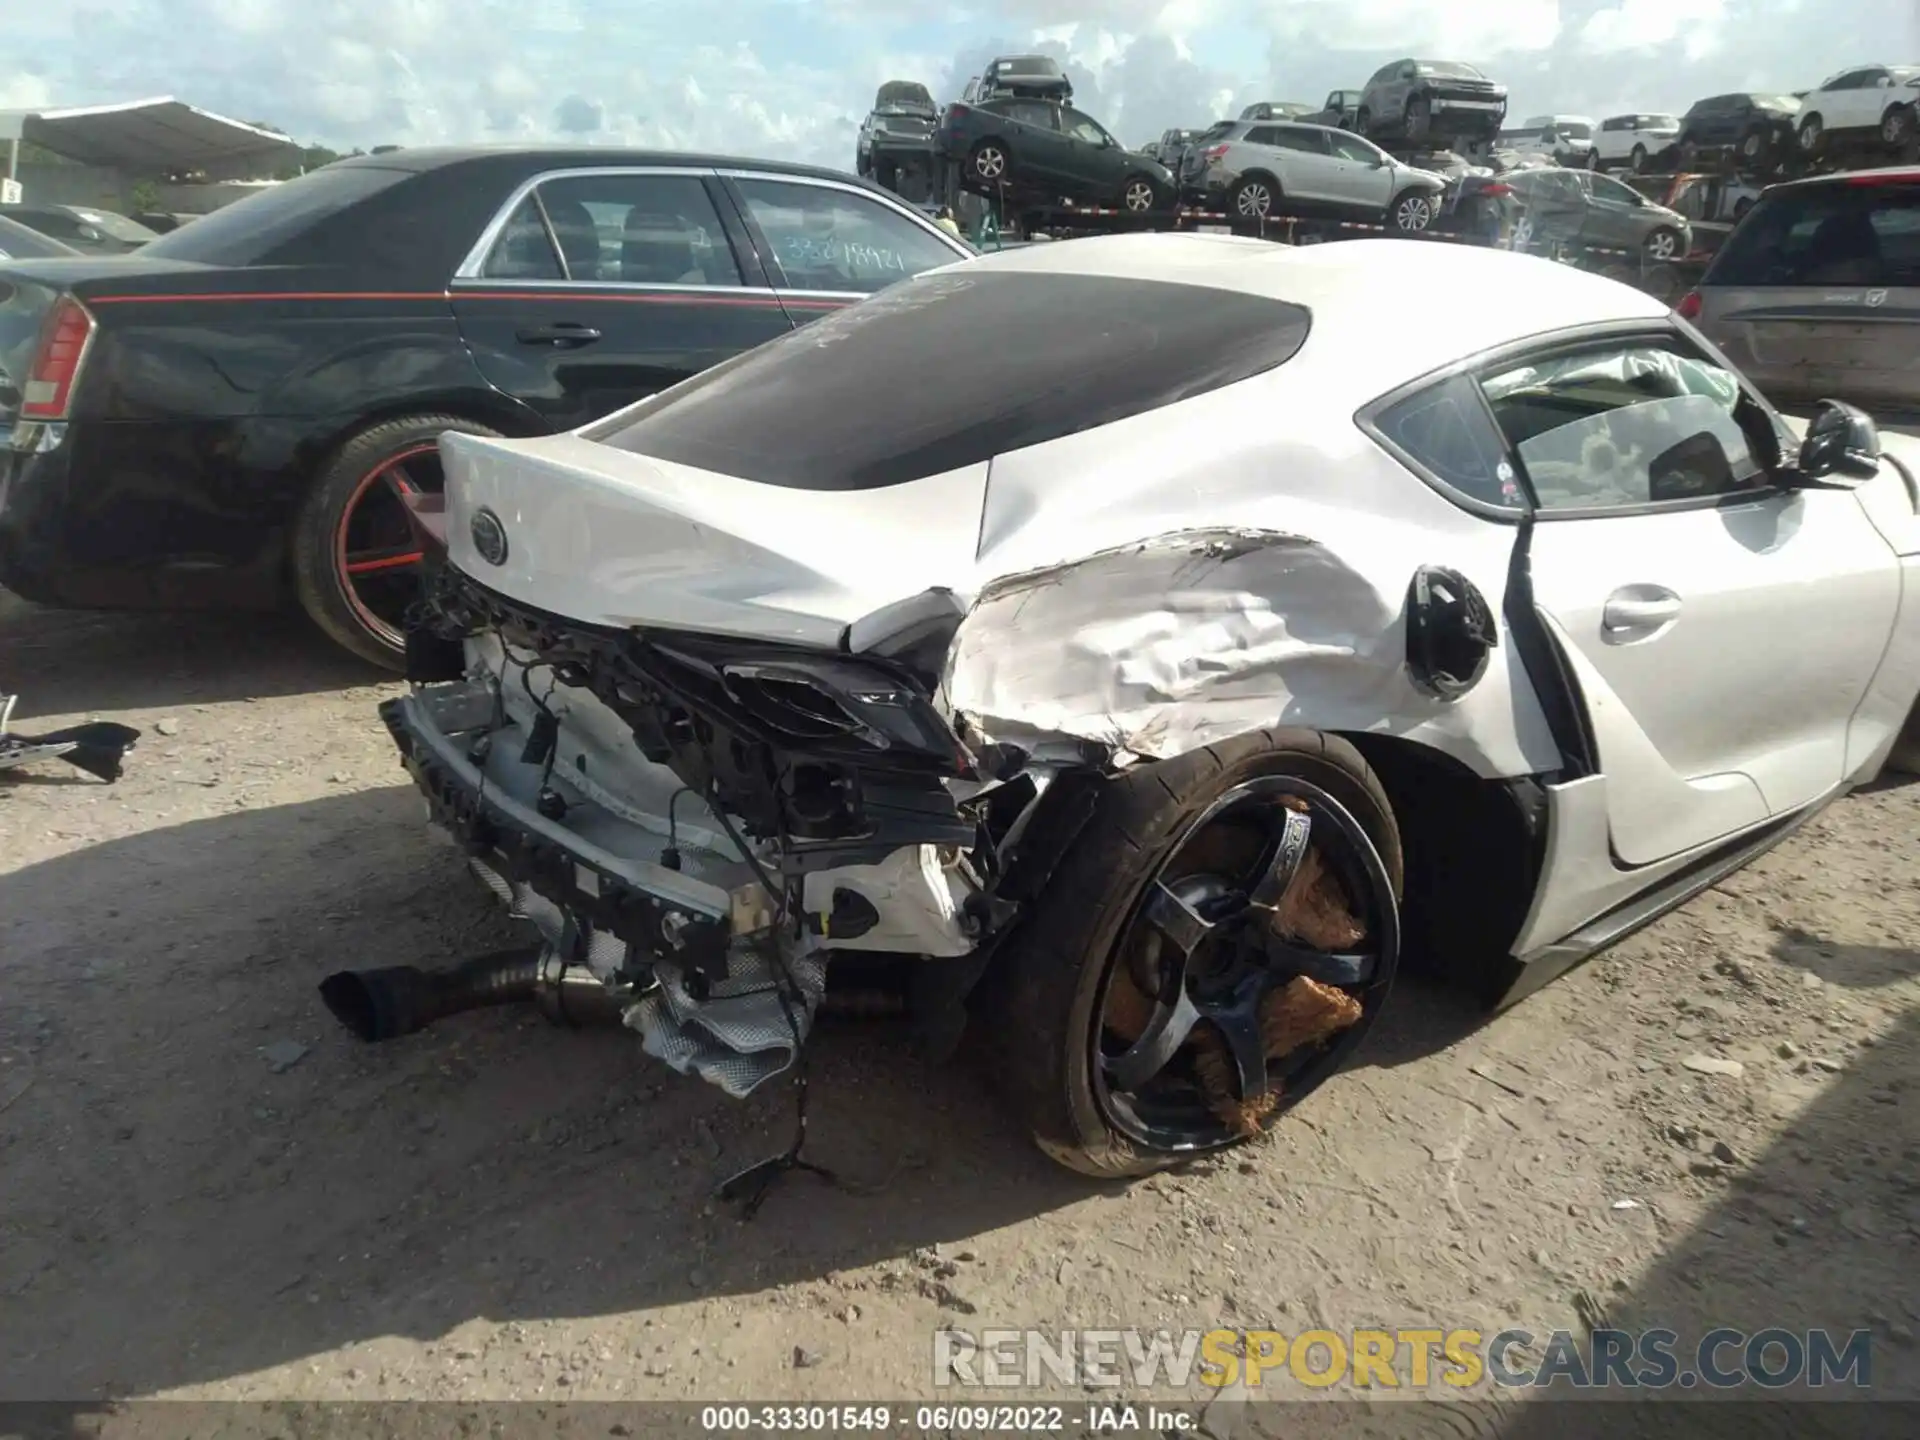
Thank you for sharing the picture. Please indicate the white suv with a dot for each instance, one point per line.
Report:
(1563, 139)
(1871, 98)
(1630, 141)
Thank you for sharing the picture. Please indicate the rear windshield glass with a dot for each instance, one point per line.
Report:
(1027, 65)
(248, 231)
(905, 93)
(951, 369)
(116, 227)
(1825, 235)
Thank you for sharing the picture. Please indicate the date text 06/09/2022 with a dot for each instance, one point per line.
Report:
(940, 1419)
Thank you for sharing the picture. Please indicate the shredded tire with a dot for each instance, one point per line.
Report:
(1040, 1002)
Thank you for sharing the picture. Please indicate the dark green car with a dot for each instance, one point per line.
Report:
(1040, 150)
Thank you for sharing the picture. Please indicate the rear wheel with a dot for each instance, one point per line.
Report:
(1363, 121)
(1812, 134)
(1213, 947)
(1896, 126)
(356, 558)
(1753, 148)
(1255, 197)
(990, 162)
(1637, 160)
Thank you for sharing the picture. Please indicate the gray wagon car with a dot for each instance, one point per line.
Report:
(1816, 293)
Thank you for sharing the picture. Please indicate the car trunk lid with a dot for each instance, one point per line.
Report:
(605, 536)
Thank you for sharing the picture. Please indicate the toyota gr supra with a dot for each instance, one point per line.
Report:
(1142, 685)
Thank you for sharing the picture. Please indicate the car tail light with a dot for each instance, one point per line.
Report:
(1689, 306)
(56, 364)
(1213, 153)
(1496, 189)
(956, 110)
(1895, 177)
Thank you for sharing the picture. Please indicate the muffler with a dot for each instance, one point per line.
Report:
(402, 999)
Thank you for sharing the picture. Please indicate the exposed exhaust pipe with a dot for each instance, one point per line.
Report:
(399, 1000)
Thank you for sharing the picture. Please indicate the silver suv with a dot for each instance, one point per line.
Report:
(1259, 168)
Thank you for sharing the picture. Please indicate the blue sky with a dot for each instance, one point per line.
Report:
(791, 78)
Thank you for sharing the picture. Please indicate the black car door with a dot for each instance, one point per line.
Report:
(826, 244)
(594, 288)
(1033, 130)
(1095, 162)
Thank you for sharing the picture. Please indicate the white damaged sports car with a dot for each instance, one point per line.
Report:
(1141, 646)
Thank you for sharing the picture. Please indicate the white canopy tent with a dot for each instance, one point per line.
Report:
(149, 137)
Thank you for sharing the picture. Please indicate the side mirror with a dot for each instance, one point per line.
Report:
(1841, 447)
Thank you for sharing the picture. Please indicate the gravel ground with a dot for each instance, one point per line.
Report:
(212, 1192)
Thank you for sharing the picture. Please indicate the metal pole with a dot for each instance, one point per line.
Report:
(13, 158)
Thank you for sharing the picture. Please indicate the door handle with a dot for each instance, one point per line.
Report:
(564, 332)
(1638, 612)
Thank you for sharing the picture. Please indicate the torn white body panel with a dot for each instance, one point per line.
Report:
(918, 892)
(1097, 618)
(619, 539)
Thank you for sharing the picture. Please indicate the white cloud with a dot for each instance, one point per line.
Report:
(25, 92)
(1650, 24)
(1462, 30)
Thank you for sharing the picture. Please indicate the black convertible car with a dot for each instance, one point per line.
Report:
(236, 414)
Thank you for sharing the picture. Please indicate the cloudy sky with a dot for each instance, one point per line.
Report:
(792, 78)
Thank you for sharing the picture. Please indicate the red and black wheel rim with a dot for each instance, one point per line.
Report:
(376, 550)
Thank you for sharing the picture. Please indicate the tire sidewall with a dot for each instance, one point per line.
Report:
(319, 585)
(1344, 782)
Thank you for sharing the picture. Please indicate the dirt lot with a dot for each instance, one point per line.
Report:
(498, 1209)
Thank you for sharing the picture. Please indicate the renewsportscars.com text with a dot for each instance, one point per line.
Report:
(1413, 1359)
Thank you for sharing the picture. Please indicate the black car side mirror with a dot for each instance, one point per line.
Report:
(1840, 449)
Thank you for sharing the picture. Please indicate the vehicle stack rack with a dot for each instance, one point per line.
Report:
(992, 221)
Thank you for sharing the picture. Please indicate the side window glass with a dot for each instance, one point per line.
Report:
(1634, 425)
(1263, 135)
(1294, 138)
(1447, 431)
(827, 239)
(1352, 147)
(523, 251)
(639, 230)
(1082, 127)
